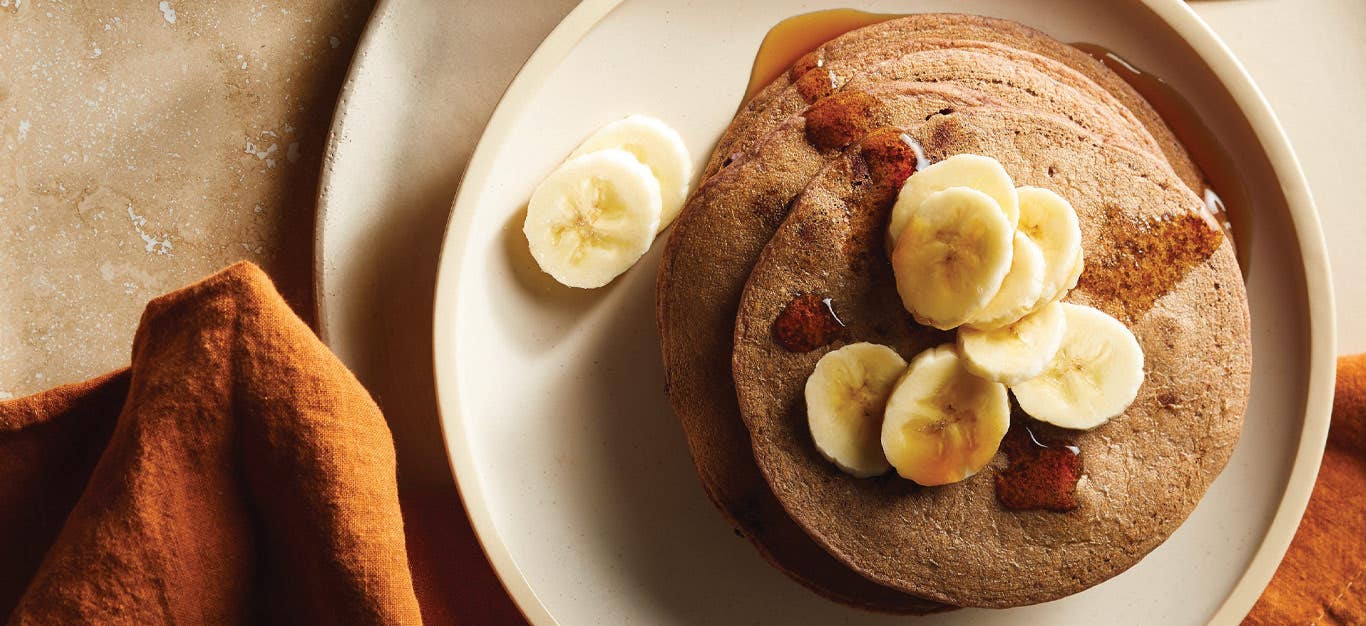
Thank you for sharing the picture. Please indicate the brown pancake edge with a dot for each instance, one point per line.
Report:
(713, 244)
(1144, 471)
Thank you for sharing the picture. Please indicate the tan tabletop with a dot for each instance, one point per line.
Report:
(145, 144)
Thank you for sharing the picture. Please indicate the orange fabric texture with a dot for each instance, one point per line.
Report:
(235, 473)
(238, 473)
(1322, 580)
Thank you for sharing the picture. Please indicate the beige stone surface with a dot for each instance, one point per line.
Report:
(145, 144)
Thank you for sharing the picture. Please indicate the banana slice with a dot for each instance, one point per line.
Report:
(943, 424)
(1015, 353)
(982, 173)
(1050, 222)
(1020, 290)
(952, 257)
(846, 396)
(1094, 376)
(1078, 266)
(659, 147)
(593, 217)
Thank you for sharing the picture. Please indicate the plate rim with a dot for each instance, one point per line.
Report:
(336, 137)
(579, 21)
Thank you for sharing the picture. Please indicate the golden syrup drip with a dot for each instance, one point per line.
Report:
(795, 36)
(1229, 204)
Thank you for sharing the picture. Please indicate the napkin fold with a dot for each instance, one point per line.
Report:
(235, 473)
(1322, 580)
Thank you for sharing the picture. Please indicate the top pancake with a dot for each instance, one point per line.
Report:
(725, 225)
(1154, 261)
(857, 51)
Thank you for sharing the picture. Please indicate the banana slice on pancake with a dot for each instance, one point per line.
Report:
(846, 396)
(952, 256)
(659, 147)
(593, 217)
(1017, 352)
(1050, 221)
(982, 173)
(943, 424)
(1094, 376)
(1020, 290)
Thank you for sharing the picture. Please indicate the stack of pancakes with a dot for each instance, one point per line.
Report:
(795, 200)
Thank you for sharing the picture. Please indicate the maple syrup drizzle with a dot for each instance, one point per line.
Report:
(791, 39)
(806, 323)
(1229, 204)
(1040, 474)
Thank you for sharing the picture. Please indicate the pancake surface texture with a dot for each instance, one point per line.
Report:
(715, 242)
(1145, 470)
(795, 201)
(850, 54)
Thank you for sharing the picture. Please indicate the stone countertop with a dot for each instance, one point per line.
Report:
(145, 144)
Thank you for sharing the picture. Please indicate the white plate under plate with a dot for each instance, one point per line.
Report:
(567, 455)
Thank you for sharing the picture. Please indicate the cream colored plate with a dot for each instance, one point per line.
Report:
(569, 460)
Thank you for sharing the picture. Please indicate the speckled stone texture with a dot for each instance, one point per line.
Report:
(144, 145)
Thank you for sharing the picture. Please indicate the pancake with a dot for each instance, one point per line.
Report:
(724, 227)
(857, 51)
(715, 241)
(986, 66)
(1154, 261)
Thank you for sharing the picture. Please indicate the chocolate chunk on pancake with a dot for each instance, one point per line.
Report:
(853, 53)
(1143, 471)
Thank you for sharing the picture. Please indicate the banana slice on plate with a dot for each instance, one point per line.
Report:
(1015, 353)
(593, 217)
(659, 147)
(1020, 290)
(1095, 375)
(943, 424)
(1050, 221)
(846, 396)
(952, 256)
(982, 173)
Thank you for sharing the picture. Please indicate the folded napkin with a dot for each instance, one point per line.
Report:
(235, 473)
(1322, 580)
(238, 473)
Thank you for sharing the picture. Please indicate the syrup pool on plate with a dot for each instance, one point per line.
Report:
(795, 36)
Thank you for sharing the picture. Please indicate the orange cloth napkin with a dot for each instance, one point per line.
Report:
(1322, 580)
(238, 473)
